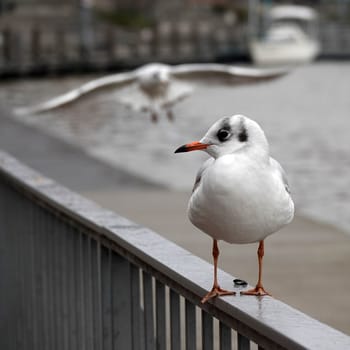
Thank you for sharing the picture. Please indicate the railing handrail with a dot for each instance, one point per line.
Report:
(267, 321)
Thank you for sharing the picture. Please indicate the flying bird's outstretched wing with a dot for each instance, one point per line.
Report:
(222, 72)
(70, 96)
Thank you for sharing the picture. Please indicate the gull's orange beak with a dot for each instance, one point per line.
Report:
(193, 146)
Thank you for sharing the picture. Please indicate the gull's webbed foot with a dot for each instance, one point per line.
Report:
(258, 291)
(216, 291)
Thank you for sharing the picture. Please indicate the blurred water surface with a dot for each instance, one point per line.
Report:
(306, 116)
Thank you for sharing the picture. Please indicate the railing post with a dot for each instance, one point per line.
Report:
(7, 36)
(110, 42)
(60, 47)
(207, 331)
(137, 314)
(122, 313)
(242, 342)
(175, 330)
(108, 295)
(35, 45)
(190, 314)
(160, 316)
(225, 337)
(148, 309)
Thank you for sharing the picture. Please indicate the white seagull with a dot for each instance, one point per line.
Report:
(157, 87)
(241, 194)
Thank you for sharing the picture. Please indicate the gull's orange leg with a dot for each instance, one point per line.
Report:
(170, 115)
(154, 117)
(216, 290)
(259, 289)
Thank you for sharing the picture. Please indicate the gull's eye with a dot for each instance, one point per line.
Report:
(223, 135)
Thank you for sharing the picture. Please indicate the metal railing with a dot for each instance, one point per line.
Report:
(76, 276)
(36, 49)
(42, 48)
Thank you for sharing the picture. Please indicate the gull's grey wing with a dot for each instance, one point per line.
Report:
(70, 96)
(201, 171)
(231, 74)
(282, 173)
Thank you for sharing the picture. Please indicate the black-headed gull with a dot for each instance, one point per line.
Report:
(241, 194)
(157, 87)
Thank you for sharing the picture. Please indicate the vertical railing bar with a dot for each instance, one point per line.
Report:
(175, 330)
(16, 274)
(6, 256)
(160, 316)
(137, 315)
(51, 281)
(99, 298)
(190, 313)
(243, 343)
(148, 310)
(27, 324)
(61, 256)
(64, 279)
(13, 278)
(99, 324)
(36, 280)
(72, 315)
(88, 293)
(10, 276)
(121, 302)
(20, 248)
(55, 280)
(3, 255)
(41, 278)
(31, 277)
(225, 337)
(167, 318)
(76, 287)
(10, 334)
(51, 278)
(44, 261)
(106, 286)
(96, 293)
(46, 273)
(80, 292)
(207, 331)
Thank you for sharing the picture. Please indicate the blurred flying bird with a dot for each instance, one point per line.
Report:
(157, 87)
(241, 194)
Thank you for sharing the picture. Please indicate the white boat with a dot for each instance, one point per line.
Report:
(290, 37)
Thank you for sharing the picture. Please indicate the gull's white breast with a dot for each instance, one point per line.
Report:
(240, 200)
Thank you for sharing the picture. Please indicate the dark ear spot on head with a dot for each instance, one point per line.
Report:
(243, 135)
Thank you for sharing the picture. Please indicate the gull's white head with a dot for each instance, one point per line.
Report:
(229, 135)
(154, 74)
